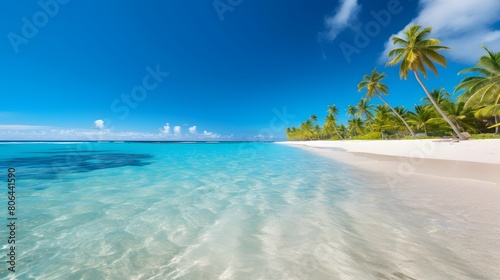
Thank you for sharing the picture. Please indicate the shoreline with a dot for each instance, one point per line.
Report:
(471, 159)
(454, 190)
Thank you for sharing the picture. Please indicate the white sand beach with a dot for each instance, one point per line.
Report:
(484, 151)
(471, 159)
(456, 181)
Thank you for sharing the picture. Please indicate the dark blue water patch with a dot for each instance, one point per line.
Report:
(52, 166)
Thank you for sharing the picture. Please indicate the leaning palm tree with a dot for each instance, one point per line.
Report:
(416, 53)
(355, 125)
(332, 118)
(327, 129)
(342, 130)
(317, 131)
(483, 91)
(365, 110)
(374, 86)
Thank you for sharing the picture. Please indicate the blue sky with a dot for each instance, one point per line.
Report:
(224, 69)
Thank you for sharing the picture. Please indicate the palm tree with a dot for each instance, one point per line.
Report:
(314, 120)
(383, 119)
(415, 54)
(317, 131)
(439, 95)
(365, 109)
(330, 126)
(332, 110)
(342, 130)
(483, 90)
(402, 111)
(289, 133)
(351, 111)
(462, 116)
(355, 126)
(423, 117)
(306, 128)
(332, 113)
(374, 86)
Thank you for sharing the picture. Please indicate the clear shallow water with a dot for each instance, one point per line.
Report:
(215, 211)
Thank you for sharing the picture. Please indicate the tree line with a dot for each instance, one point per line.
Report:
(475, 110)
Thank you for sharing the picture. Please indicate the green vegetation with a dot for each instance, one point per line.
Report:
(374, 86)
(485, 136)
(482, 92)
(475, 111)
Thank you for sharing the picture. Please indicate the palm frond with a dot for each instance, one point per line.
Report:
(427, 62)
(399, 41)
(436, 57)
(488, 111)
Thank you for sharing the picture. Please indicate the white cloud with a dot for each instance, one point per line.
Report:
(177, 130)
(345, 14)
(99, 124)
(461, 25)
(263, 137)
(41, 133)
(193, 133)
(20, 127)
(166, 129)
(209, 134)
(76, 134)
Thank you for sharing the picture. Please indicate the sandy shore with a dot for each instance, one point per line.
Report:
(457, 184)
(472, 159)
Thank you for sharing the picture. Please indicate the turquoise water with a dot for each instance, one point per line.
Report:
(212, 211)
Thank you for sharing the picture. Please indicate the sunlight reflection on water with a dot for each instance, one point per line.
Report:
(204, 212)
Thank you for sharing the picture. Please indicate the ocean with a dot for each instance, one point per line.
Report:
(211, 211)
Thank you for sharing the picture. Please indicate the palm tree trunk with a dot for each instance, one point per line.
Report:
(336, 131)
(335, 128)
(497, 129)
(401, 118)
(445, 117)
